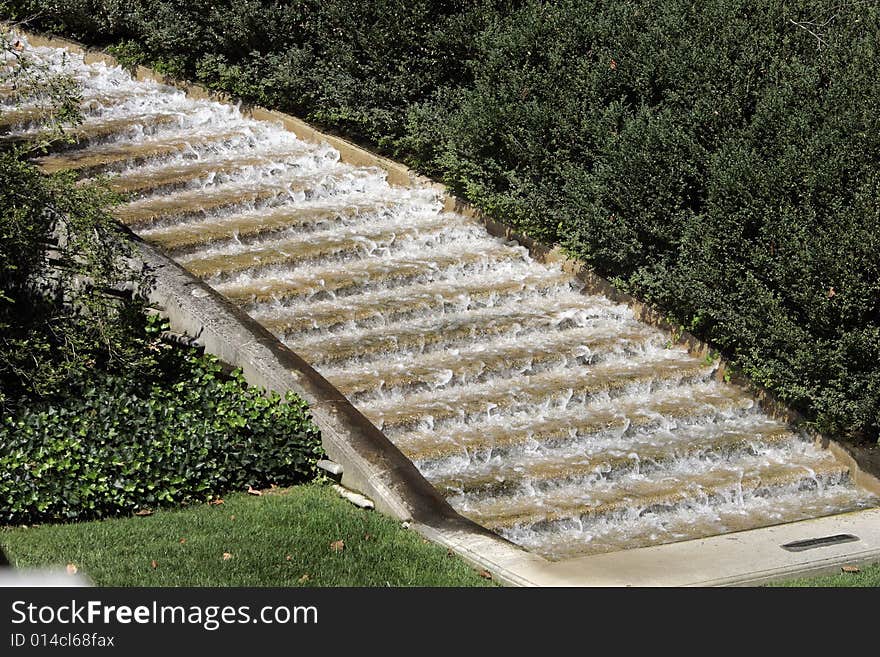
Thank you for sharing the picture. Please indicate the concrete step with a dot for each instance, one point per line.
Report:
(28, 117)
(499, 477)
(624, 529)
(98, 130)
(357, 241)
(171, 177)
(399, 303)
(183, 239)
(107, 157)
(23, 118)
(183, 205)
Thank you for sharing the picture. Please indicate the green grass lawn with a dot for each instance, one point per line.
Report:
(286, 537)
(867, 576)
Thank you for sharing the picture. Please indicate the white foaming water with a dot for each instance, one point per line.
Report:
(553, 417)
(634, 429)
(382, 232)
(638, 526)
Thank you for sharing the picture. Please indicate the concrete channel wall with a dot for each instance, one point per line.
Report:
(372, 464)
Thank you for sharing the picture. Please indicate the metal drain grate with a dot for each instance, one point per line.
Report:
(824, 541)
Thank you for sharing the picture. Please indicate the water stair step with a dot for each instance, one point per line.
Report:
(620, 415)
(503, 476)
(181, 205)
(649, 494)
(362, 239)
(20, 119)
(103, 157)
(170, 177)
(562, 386)
(421, 335)
(181, 239)
(728, 513)
(357, 276)
(439, 297)
(96, 131)
(459, 367)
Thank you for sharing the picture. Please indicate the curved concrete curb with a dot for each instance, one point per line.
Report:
(371, 462)
(374, 466)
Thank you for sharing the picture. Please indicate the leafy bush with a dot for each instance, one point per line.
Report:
(177, 433)
(63, 311)
(719, 159)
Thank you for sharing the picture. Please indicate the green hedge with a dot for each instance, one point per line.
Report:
(116, 446)
(719, 159)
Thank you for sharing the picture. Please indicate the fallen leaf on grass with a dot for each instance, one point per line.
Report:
(288, 557)
(337, 546)
(367, 537)
(227, 556)
(305, 578)
(71, 569)
(851, 569)
(154, 564)
(182, 541)
(232, 517)
(254, 491)
(485, 574)
(216, 502)
(143, 512)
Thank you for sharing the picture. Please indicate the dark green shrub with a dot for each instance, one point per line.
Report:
(99, 415)
(181, 433)
(61, 261)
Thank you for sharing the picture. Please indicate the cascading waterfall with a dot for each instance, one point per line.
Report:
(551, 416)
